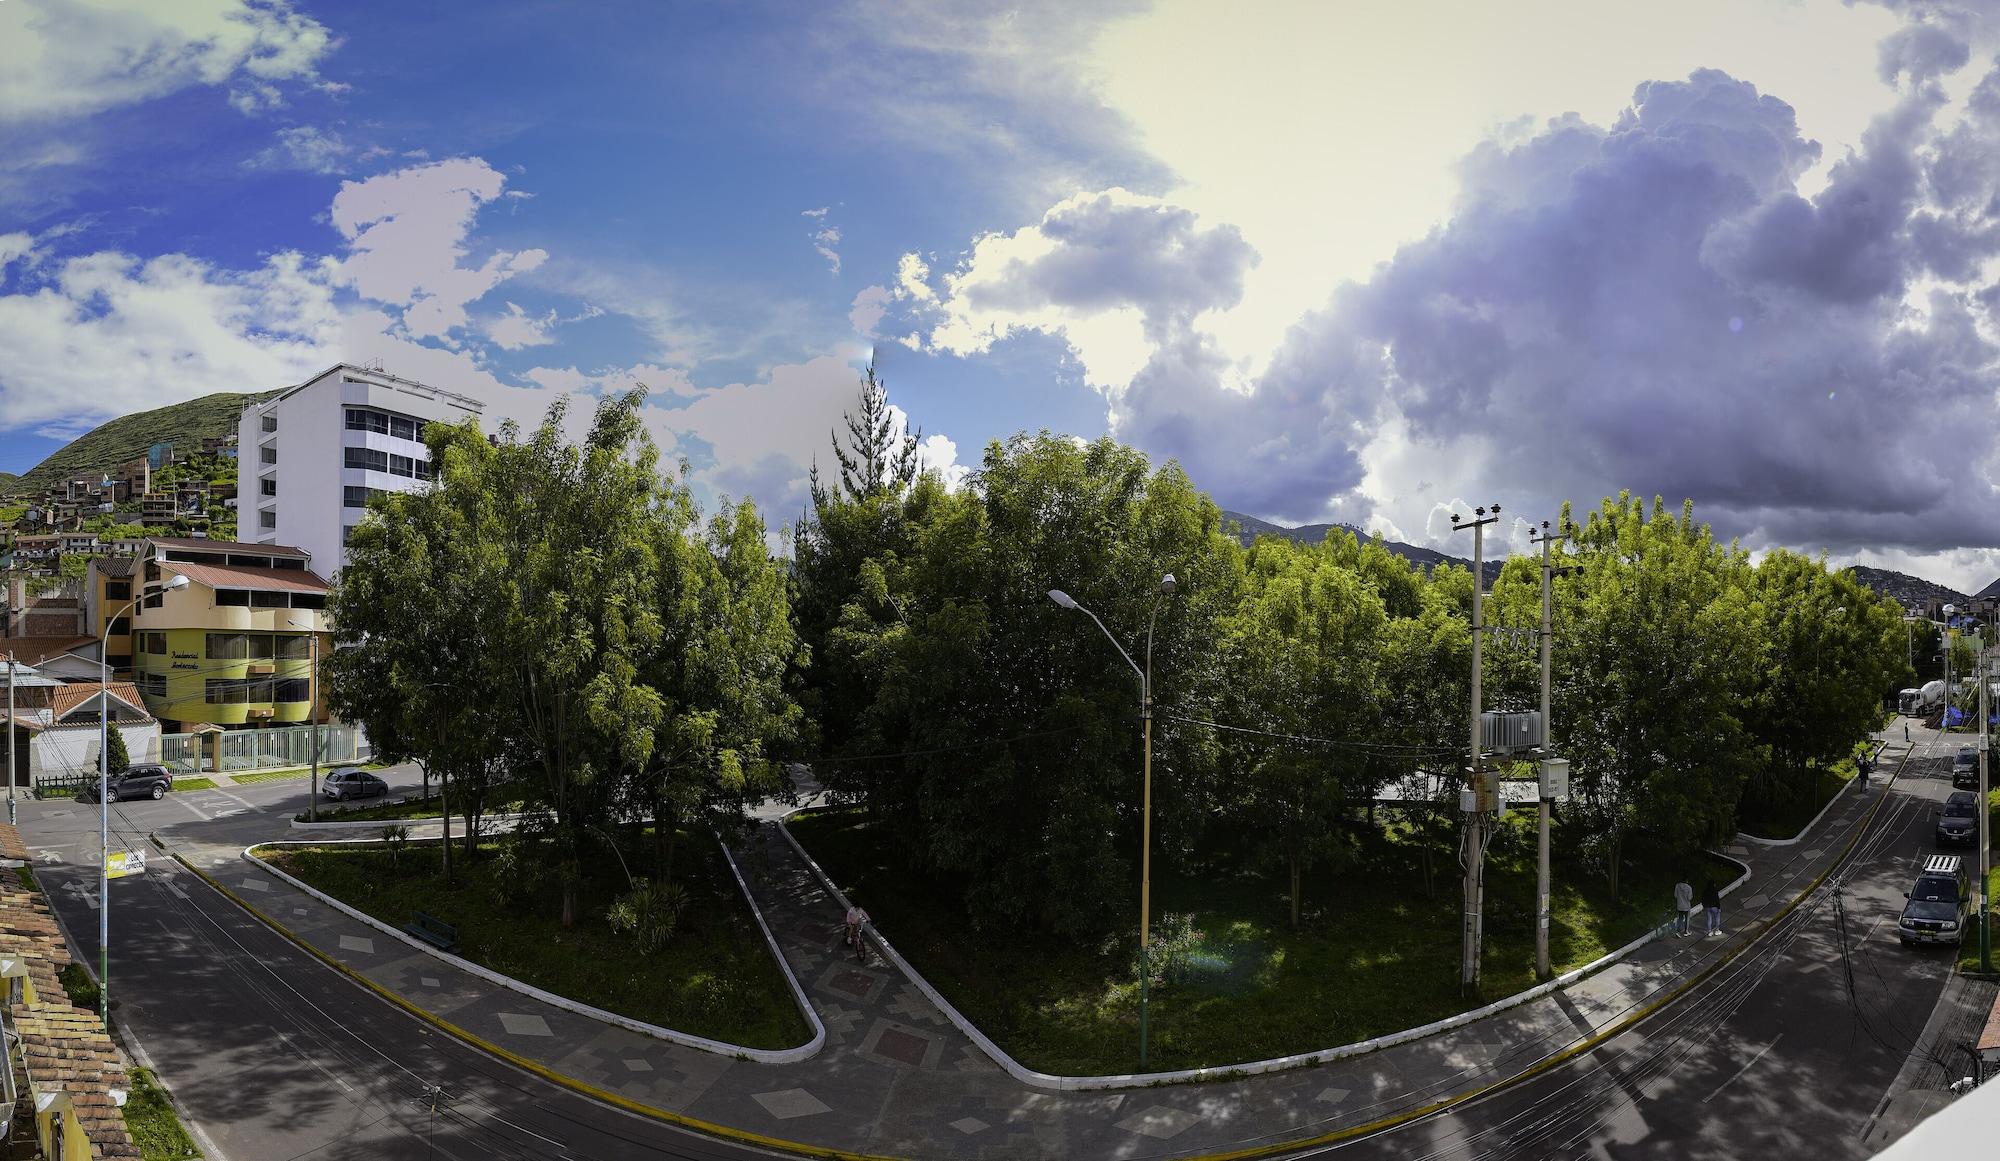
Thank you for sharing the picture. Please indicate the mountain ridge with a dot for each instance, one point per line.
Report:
(117, 442)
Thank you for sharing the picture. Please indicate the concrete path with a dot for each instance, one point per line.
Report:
(896, 1078)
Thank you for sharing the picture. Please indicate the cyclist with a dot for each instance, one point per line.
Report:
(856, 918)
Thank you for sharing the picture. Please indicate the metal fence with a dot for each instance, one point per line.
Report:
(245, 750)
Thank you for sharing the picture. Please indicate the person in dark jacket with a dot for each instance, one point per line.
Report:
(1711, 906)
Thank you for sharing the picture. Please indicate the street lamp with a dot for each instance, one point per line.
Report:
(1944, 718)
(104, 800)
(1166, 588)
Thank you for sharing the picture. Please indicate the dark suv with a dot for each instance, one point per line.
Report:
(1935, 912)
(143, 781)
(1958, 822)
(1965, 769)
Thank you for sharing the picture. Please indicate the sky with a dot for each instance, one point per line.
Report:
(1370, 262)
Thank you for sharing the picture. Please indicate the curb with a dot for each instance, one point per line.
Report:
(584, 1088)
(1057, 1083)
(686, 1039)
(1800, 837)
(379, 823)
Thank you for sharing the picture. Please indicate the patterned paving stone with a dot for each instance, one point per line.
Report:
(638, 1066)
(912, 1004)
(360, 943)
(789, 1103)
(300, 912)
(1816, 852)
(852, 982)
(1756, 900)
(970, 1125)
(840, 1022)
(431, 982)
(1333, 1096)
(519, 1025)
(1160, 1122)
(254, 885)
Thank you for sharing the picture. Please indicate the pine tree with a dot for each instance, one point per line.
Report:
(119, 760)
(874, 458)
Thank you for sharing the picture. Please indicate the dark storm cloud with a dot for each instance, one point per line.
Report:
(1654, 302)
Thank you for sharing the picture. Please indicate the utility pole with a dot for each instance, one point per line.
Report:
(312, 798)
(11, 820)
(1475, 801)
(1985, 839)
(1548, 541)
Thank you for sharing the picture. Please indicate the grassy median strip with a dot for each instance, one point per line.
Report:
(155, 1128)
(194, 784)
(1783, 820)
(713, 978)
(1377, 952)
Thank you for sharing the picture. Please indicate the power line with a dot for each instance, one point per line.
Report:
(1385, 748)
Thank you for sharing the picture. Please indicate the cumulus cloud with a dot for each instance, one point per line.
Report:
(406, 233)
(59, 58)
(867, 309)
(1648, 303)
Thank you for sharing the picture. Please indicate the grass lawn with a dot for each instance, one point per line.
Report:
(194, 784)
(1968, 950)
(1376, 952)
(714, 978)
(155, 1128)
(271, 775)
(1782, 820)
(506, 798)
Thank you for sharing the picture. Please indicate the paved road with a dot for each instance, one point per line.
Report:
(276, 1056)
(1784, 1054)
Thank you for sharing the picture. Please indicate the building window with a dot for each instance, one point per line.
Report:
(153, 684)
(310, 600)
(347, 536)
(155, 600)
(267, 519)
(363, 419)
(117, 590)
(269, 600)
(402, 466)
(228, 691)
(119, 661)
(368, 459)
(294, 647)
(228, 647)
(270, 423)
(402, 427)
(153, 643)
(118, 627)
(424, 471)
(237, 598)
(267, 486)
(267, 455)
(291, 690)
(353, 497)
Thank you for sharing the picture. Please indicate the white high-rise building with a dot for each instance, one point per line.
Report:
(309, 457)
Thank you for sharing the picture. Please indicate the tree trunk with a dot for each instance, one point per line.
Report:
(1617, 857)
(1295, 893)
(444, 804)
(568, 905)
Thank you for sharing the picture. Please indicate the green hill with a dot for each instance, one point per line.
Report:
(122, 440)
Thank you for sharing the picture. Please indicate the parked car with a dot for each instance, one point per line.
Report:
(350, 782)
(142, 781)
(1958, 822)
(1965, 769)
(1935, 912)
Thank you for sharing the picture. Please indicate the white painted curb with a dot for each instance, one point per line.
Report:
(760, 1055)
(380, 823)
(1049, 1081)
(1830, 804)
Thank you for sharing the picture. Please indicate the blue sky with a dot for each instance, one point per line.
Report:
(1367, 262)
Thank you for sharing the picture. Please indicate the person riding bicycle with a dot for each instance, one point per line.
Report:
(856, 917)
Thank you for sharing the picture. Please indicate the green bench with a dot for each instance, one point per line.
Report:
(432, 930)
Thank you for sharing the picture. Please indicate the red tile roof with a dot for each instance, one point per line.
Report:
(282, 580)
(67, 699)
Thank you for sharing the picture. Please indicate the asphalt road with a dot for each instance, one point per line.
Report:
(1784, 1054)
(276, 1056)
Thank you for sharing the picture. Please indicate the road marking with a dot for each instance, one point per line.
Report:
(242, 802)
(198, 811)
(1745, 1068)
(82, 894)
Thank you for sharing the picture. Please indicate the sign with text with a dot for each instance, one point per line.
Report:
(123, 863)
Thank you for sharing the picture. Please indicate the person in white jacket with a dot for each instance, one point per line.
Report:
(1683, 905)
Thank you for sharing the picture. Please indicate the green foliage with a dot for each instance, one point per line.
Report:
(649, 913)
(154, 1125)
(116, 758)
(118, 442)
(81, 989)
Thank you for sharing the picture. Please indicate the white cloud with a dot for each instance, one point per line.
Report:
(517, 328)
(406, 235)
(867, 309)
(305, 147)
(939, 454)
(825, 237)
(252, 99)
(110, 333)
(62, 58)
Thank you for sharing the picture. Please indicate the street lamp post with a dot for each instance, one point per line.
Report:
(1167, 585)
(312, 798)
(1944, 718)
(104, 801)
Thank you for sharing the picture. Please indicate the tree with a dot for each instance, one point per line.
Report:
(877, 457)
(117, 760)
(1303, 653)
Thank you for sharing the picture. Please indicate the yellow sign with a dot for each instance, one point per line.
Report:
(125, 863)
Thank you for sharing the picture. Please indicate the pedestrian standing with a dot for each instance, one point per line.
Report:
(1683, 904)
(1711, 905)
(1906, 733)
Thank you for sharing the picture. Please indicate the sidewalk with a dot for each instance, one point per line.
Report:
(896, 1078)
